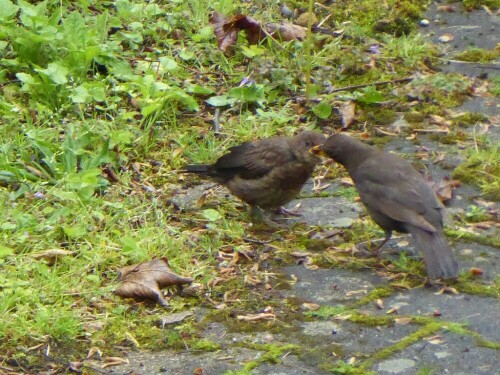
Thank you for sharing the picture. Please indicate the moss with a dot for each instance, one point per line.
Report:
(203, 344)
(472, 237)
(272, 353)
(326, 312)
(476, 4)
(477, 55)
(482, 168)
(469, 118)
(381, 292)
(471, 287)
(425, 331)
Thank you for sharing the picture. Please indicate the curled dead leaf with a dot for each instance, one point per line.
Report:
(402, 321)
(51, 255)
(476, 271)
(379, 304)
(145, 280)
(347, 112)
(394, 310)
(286, 31)
(446, 38)
(435, 340)
(255, 317)
(311, 306)
(447, 289)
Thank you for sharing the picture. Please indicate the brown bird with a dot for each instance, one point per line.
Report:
(397, 198)
(267, 173)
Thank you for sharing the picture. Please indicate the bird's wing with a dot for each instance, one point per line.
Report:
(398, 192)
(255, 159)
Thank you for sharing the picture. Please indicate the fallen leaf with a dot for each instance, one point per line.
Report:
(145, 280)
(347, 181)
(394, 310)
(255, 317)
(446, 38)
(447, 289)
(436, 313)
(113, 361)
(356, 292)
(446, 8)
(347, 112)
(476, 271)
(402, 321)
(435, 340)
(311, 306)
(173, 318)
(51, 255)
(300, 254)
(286, 31)
(379, 304)
(444, 188)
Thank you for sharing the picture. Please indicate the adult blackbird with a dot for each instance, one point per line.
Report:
(267, 173)
(397, 198)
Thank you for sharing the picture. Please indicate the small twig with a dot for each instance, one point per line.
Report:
(384, 132)
(446, 131)
(353, 87)
(324, 20)
(258, 242)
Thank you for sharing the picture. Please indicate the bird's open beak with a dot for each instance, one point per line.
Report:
(317, 150)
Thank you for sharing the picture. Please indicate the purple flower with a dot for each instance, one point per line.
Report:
(374, 48)
(39, 195)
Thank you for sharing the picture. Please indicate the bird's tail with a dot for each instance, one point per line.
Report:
(437, 253)
(202, 169)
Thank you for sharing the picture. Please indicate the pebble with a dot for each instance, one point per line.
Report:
(424, 22)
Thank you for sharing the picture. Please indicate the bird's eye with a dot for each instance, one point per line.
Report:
(308, 143)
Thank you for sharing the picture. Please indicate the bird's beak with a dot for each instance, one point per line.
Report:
(317, 150)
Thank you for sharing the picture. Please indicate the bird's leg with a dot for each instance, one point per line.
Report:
(378, 250)
(257, 215)
(283, 211)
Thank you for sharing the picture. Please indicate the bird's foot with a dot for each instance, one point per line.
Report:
(258, 216)
(284, 211)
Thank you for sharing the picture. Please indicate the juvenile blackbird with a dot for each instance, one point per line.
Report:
(397, 198)
(267, 173)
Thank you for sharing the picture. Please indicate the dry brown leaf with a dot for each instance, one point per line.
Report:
(436, 313)
(439, 120)
(435, 340)
(394, 310)
(173, 318)
(51, 255)
(255, 317)
(379, 304)
(113, 361)
(347, 112)
(286, 31)
(446, 38)
(476, 271)
(94, 351)
(444, 188)
(446, 8)
(402, 321)
(145, 280)
(347, 181)
(300, 254)
(311, 306)
(226, 29)
(447, 289)
(356, 292)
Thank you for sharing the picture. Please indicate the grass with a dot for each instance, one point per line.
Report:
(103, 102)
